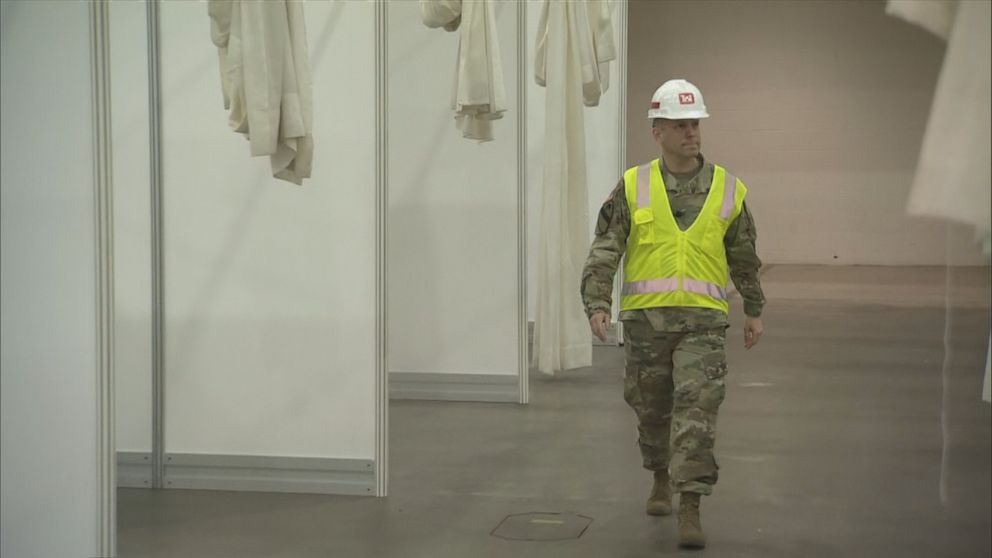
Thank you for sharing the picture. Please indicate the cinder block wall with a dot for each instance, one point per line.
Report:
(819, 106)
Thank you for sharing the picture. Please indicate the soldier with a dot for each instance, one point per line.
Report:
(686, 231)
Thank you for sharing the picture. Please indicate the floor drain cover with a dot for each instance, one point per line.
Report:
(542, 526)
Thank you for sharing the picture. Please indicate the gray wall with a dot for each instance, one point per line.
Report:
(819, 106)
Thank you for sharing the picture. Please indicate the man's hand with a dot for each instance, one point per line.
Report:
(600, 324)
(753, 328)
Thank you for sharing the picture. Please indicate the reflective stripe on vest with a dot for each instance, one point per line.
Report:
(729, 196)
(643, 194)
(672, 284)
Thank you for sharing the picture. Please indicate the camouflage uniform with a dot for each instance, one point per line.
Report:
(675, 356)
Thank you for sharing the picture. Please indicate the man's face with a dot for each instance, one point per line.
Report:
(678, 137)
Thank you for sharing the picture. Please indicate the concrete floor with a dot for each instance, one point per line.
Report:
(830, 445)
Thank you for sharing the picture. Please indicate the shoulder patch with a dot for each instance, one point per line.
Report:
(605, 216)
(618, 195)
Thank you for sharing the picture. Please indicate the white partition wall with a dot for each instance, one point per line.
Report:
(270, 342)
(56, 381)
(454, 298)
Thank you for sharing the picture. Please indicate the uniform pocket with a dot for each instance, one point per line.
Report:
(643, 215)
(714, 359)
(644, 223)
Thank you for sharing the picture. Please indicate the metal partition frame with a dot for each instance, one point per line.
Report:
(622, 139)
(381, 256)
(523, 345)
(106, 454)
(157, 236)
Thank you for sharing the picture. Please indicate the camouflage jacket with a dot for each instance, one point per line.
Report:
(686, 195)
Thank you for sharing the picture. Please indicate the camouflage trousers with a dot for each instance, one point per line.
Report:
(674, 381)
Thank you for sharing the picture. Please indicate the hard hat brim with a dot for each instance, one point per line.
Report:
(689, 115)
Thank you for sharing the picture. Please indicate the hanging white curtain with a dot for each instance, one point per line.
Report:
(479, 97)
(936, 16)
(265, 79)
(574, 46)
(953, 175)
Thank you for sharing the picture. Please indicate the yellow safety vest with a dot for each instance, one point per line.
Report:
(666, 266)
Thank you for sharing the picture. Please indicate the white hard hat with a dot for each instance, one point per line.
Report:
(677, 99)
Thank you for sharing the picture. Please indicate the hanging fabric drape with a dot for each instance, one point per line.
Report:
(936, 16)
(266, 80)
(479, 97)
(591, 35)
(953, 174)
(574, 46)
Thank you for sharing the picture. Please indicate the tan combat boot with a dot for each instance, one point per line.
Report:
(660, 501)
(690, 529)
